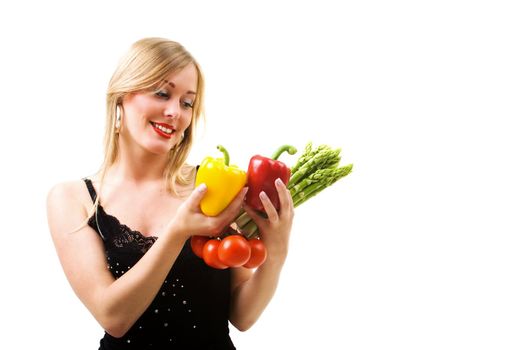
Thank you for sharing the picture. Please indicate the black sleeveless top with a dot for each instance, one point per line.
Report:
(190, 311)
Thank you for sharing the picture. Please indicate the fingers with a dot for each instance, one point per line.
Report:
(285, 199)
(197, 195)
(268, 207)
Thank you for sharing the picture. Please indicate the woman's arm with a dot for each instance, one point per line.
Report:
(253, 291)
(117, 304)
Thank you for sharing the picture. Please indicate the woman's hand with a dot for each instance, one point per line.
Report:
(275, 230)
(190, 221)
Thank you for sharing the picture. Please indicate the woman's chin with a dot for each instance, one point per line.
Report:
(158, 149)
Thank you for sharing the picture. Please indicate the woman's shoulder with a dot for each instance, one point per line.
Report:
(71, 193)
(68, 188)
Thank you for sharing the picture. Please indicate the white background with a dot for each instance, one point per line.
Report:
(421, 247)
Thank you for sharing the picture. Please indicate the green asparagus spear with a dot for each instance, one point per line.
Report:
(313, 189)
(326, 156)
(316, 176)
(303, 158)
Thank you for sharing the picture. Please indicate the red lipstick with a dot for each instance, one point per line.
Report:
(162, 133)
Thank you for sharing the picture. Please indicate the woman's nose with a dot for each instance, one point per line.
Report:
(172, 111)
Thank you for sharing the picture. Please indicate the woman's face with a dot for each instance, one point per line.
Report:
(155, 120)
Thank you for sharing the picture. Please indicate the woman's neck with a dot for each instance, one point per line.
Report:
(138, 166)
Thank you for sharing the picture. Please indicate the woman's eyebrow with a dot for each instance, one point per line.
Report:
(173, 86)
(169, 83)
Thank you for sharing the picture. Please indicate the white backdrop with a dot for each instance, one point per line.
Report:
(421, 247)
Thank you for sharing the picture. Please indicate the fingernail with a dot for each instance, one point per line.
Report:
(279, 181)
(263, 195)
(202, 187)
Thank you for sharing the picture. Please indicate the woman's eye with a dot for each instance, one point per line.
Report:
(162, 94)
(187, 104)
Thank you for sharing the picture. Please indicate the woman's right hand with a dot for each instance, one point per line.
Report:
(190, 221)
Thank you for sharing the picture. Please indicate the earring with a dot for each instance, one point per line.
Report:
(118, 120)
(182, 137)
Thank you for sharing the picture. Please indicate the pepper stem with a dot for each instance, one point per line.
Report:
(226, 154)
(287, 148)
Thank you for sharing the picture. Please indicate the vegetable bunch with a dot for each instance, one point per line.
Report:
(316, 169)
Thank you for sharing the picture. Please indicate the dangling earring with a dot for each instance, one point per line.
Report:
(118, 120)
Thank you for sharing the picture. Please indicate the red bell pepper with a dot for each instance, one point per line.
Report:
(262, 173)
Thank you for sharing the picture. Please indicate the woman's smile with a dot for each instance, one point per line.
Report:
(164, 130)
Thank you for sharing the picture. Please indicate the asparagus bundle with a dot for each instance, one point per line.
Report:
(316, 169)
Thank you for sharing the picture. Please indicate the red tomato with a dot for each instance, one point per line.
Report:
(197, 243)
(210, 256)
(234, 250)
(258, 253)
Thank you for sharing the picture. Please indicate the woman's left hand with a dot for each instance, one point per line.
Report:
(275, 230)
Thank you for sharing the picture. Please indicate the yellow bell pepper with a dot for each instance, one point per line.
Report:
(223, 181)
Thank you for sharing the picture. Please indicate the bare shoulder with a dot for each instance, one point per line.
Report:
(69, 199)
(75, 190)
(66, 187)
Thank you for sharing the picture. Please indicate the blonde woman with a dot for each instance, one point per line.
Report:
(122, 235)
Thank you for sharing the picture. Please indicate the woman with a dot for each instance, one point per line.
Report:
(122, 236)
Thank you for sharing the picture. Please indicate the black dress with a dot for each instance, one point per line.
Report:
(190, 311)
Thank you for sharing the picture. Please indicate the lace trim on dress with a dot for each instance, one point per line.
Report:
(121, 235)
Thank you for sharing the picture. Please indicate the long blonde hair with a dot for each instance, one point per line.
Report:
(148, 62)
